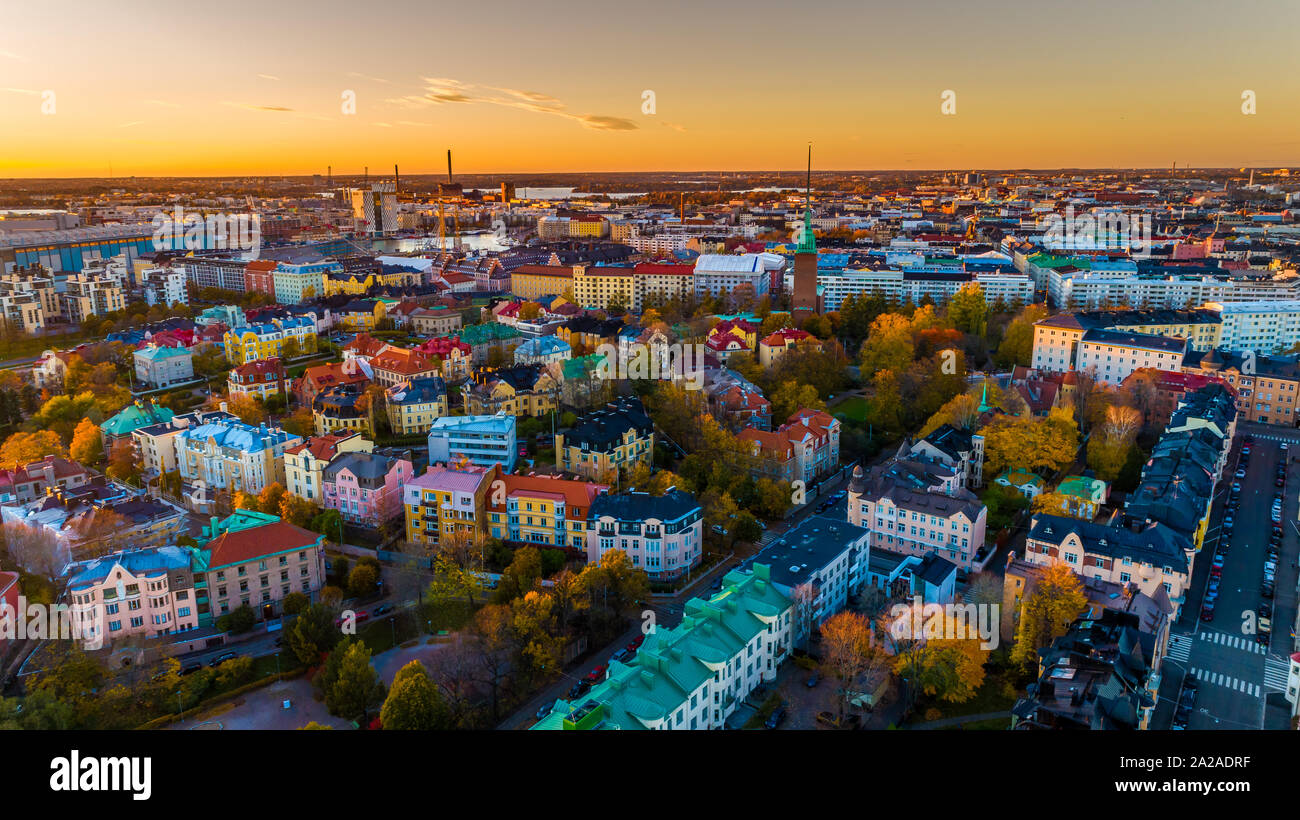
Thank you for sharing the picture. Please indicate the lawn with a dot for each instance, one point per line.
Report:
(990, 725)
(854, 409)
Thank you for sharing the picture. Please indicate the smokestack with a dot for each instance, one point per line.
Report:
(448, 166)
(396, 178)
(367, 177)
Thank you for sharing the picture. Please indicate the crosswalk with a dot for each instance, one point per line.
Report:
(1267, 437)
(1234, 641)
(1226, 681)
(1275, 670)
(767, 538)
(1180, 648)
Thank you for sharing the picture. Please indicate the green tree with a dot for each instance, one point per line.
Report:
(351, 686)
(414, 702)
(1047, 613)
(312, 633)
(968, 311)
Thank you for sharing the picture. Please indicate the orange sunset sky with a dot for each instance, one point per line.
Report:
(238, 87)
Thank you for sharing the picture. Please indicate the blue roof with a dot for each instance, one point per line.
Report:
(237, 435)
(152, 561)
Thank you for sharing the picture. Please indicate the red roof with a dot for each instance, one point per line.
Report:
(242, 546)
(660, 269)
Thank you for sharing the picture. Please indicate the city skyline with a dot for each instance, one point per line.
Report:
(564, 89)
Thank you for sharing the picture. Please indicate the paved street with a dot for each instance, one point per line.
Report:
(1234, 672)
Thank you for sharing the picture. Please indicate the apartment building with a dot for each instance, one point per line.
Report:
(164, 286)
(828, 557)
(538, 281)
(206, 272)
(597, 287)
(446, 502)
(917, 508)
(263, 379)
(156, 445)
(655, 283)
(523, 390)
(304, 464)
(1113, 355)
(28, 299)
(163, 366)
(435, 321)
(484, 338)
(256, 560)
(341, 409)
(481, 440)
(269, 339)
(1146, 553)
(27, 482)
(87, 295)
(805, 448)
(1263, 327)
(695, 675)
(227, 454)
(413, 405)
(540, 510)
(145, 592)
(455, 358)
(900, 285)
(365, 487)
(775, 345)
(140, 413)
(614, 438)
(663, 534)
(750, 273)
(299, 282)
(958, 449)
(394, 365)
(316, 379)
(1267, 387)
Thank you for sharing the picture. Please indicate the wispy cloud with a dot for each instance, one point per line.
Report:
(252, 107)
(269, 77)
(359, 75)
(21, 90)
(131, 124)
(383, 125)
(674, 126)
(445, 90)
(413, 122)
(10, 55)
(163, 103)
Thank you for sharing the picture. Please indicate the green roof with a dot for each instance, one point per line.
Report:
(487, 332)
(582, 367)
(135, 416)
(1019, 476)
(673, 663)
(1089, 489)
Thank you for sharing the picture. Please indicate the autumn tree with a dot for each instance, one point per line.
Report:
(24, 448)
(1061, 504)
(87, 444)
(268, 500)
(124, 462)
(248, 409)
(848, 652)
(950, 665)
(1047, 612)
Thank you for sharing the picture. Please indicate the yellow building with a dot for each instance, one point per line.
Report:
(413, 405)
(617, 437)
(539, 509)
(362, 314)
(523, 390)
(445, 503)
(538, 281)
(304, 463)
(597, 287)
(341, 410)
(264, 341)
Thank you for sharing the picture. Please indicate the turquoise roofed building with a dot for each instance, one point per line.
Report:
(141, 413)
(1090, 493)
(694, 675)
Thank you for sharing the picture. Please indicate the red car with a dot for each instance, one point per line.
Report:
(636, 643)
(597, 674)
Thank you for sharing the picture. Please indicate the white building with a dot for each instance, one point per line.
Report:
(1113, 355)
(717, 272)
(1264, 327)
(483, 440)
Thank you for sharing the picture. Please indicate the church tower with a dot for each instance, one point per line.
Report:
(804, 299)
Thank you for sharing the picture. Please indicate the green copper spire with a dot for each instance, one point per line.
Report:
(807, 242)
(984, 399)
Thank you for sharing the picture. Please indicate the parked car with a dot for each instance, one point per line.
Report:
(382, 609)
(1240, 474)
(620, 656)
(813, 680)
(1266, 589)
(596, 675)
(776, 718)
(636, 642)
(544, 711)
(578, 689)
(222, 658)
(1190, 682)
(190, 667)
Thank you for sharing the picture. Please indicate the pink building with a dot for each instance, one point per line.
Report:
(146, 592)
(365, 488)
